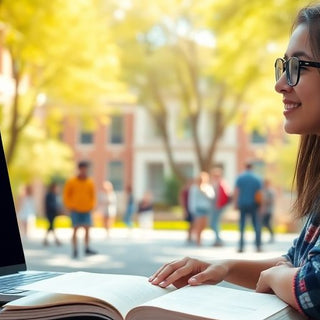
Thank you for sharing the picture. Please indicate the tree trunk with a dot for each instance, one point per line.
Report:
(13, 125)
(17, 122)
(160, 120)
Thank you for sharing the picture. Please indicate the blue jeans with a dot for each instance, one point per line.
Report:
(81, 219)
(252, 211)
(215, 221)
(129, 215)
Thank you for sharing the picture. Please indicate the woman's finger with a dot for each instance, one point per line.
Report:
(172, 272)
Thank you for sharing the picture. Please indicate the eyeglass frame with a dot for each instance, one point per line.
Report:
(302, 63)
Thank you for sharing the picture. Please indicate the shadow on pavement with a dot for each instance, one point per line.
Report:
(138, 252)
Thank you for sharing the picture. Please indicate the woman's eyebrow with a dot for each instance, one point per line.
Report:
(299, 54)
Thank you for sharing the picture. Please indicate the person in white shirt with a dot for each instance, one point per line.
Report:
(200, 202)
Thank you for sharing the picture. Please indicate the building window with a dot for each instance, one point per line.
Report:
(117, 130)
(115, 174)
(257, 137)
(155, 182)
(86, 137)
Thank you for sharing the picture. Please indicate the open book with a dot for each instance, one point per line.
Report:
(85, 295)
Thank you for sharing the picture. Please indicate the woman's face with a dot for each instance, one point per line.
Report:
(204, 177)
(301, 102)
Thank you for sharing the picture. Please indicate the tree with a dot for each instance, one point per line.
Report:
(60, 50)
(206, 56)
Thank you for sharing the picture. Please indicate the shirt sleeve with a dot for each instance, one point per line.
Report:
(93, 195)
(307, 285)
(291, 252)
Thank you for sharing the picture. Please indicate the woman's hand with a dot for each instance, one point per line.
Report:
(279, 280)
(189, 271)
(270, 278)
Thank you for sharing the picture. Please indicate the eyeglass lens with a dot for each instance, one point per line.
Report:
(279, 68)
(292, 71)
(291, 67)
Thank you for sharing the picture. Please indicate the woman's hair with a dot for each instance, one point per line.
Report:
(310, 16)
(307, 176)
(307, 172)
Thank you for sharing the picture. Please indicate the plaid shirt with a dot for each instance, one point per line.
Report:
(305, 254)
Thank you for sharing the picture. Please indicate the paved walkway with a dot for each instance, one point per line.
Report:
(138, 252)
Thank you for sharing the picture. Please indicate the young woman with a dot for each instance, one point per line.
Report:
(200, 204)
(293, 277)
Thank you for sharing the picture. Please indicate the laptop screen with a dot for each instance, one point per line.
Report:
(11, 250)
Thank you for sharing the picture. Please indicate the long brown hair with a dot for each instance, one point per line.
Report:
(307, 175)
(307, 172)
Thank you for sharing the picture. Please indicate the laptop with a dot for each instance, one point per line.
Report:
(13, 268)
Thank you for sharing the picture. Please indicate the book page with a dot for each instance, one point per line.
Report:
(121, 291)
(47, 299)
(214, 302)
(45, 305)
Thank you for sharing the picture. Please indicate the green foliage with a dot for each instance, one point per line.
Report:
(83, 55)
(212, 56)
(205, 56)
(63, 47)
(63, 51)
(172, 189)
(40, 157)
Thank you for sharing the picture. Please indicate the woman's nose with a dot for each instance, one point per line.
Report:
(282, 84)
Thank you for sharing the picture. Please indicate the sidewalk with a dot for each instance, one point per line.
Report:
(139, 253)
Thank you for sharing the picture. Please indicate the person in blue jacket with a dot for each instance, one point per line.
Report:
(248, 184)
(295, 276)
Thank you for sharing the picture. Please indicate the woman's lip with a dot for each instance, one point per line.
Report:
(291, 106)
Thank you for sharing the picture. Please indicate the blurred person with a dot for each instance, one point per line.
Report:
(247, 186)
(108, 205)
(79, 198)
(130, 208)
(145, 211)
(221, 200)
(200, 203)
(52, 208)
(184, 199)
(26, 210)
(267, 207)
(293, 276)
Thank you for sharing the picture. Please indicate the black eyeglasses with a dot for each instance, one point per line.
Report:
(292, 68)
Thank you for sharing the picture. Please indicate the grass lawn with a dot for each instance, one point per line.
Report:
(65, 222)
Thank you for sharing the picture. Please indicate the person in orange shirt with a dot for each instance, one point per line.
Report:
(79, 198)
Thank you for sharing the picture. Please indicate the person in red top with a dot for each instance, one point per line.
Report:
(222, 192)
(294, 277)
(79, 198)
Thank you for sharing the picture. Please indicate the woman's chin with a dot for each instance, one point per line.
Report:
(291, 129)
